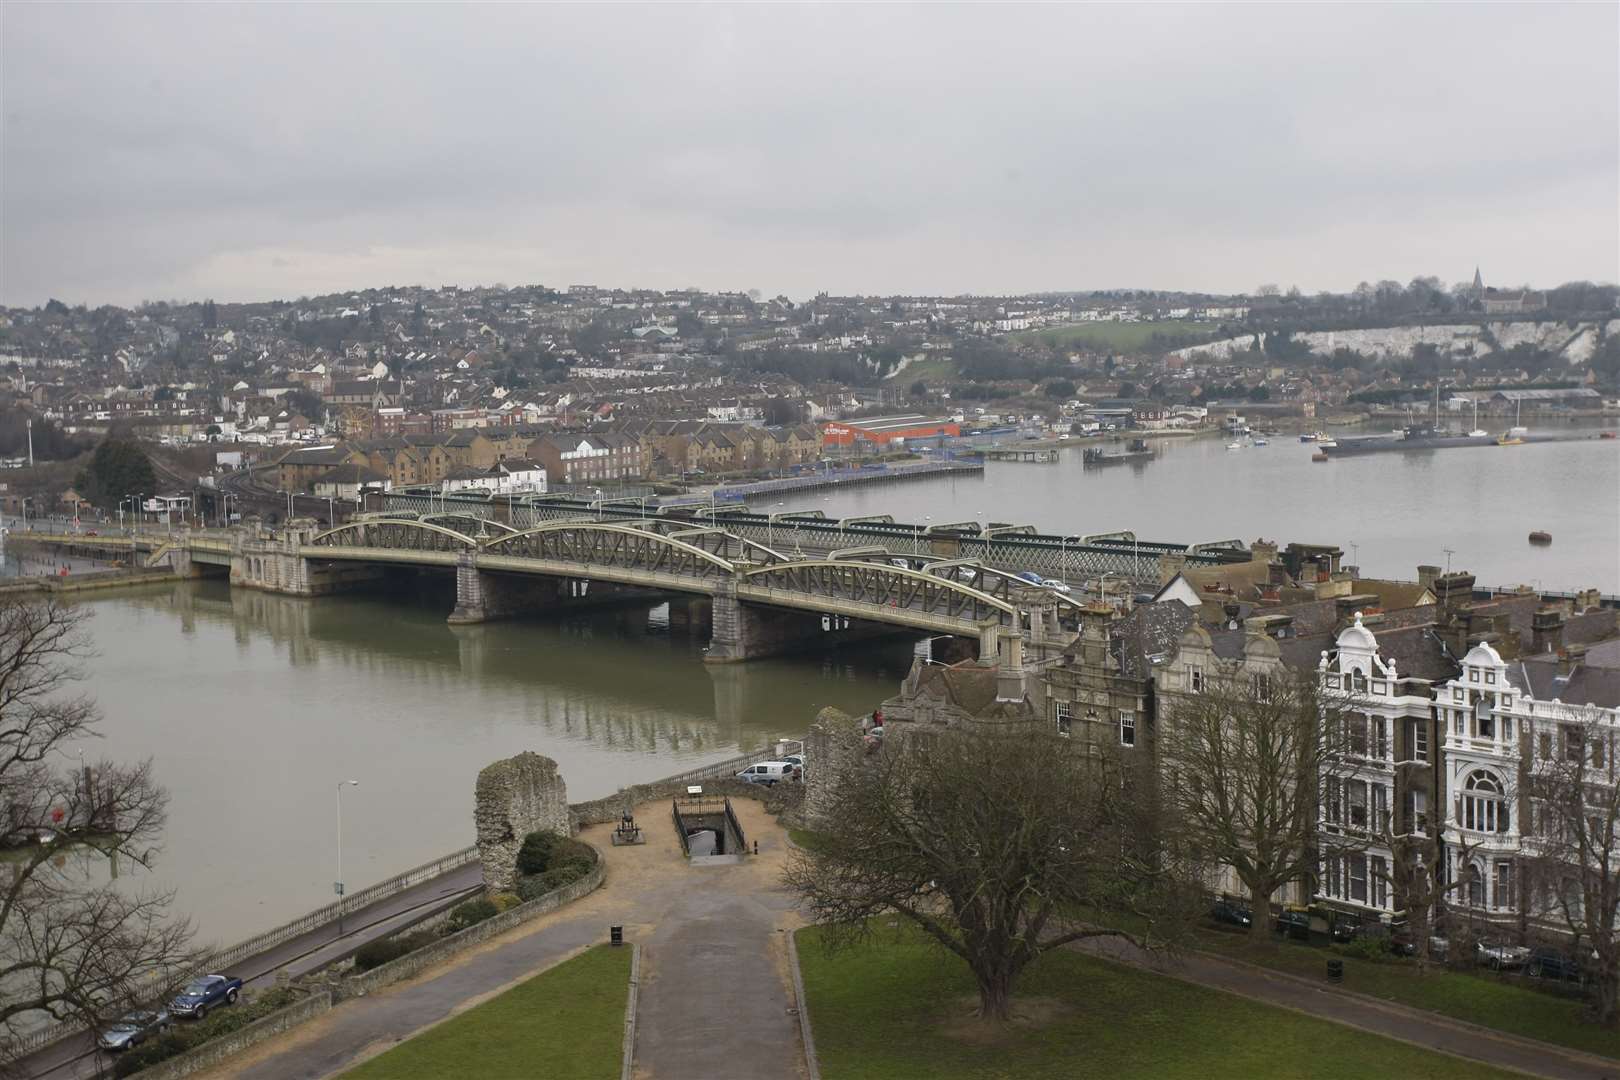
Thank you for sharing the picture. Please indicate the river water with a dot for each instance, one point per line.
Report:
(253, 707)
(1390, 512)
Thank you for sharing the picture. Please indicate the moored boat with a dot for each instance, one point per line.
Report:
(1539, 537)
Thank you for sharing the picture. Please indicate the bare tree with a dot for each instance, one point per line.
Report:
(1415, 877)
(1574, 842)
(1244, 760)
(70, 947)
(997, 846)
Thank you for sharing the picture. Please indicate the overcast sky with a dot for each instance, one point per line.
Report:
(250, 152)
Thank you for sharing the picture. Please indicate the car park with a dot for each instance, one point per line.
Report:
(133, 1028)
(203, 993)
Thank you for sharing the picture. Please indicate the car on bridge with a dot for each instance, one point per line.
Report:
(1030, 576)
(1055, 585)
(204, 993)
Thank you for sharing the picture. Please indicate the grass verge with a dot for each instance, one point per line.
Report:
(565, 1022)
(900, 1009)
(1484, 998)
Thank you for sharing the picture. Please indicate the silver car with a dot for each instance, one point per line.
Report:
(1500, 955)
(133, 1028)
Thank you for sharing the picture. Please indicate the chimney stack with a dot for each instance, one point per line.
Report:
(1453, 590)
(1571, 658)
(1427, 576)
(1547, 630)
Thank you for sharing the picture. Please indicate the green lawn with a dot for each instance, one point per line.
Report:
(566, 1023)
(808, 839)
(1483, 999)
(1118, 335)
(896, 1010)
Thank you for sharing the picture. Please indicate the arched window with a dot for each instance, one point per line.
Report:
(1484, 804)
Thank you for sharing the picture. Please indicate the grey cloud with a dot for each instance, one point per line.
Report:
(256, 151)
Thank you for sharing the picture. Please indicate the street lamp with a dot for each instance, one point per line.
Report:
(337, 886)
(1102, 584)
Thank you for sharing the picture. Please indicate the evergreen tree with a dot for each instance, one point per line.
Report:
(118, 468)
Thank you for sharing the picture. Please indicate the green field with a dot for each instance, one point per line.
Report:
(900, 1009)
(1117, 335)
(567, 1023)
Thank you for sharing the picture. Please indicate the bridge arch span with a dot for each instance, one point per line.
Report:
(600, 544)
(401, 534)
(884, 585)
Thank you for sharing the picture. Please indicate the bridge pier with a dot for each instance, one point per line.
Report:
(748, 632)
(482, 595)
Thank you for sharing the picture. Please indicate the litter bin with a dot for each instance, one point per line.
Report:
(616, 935)
(1335, 971)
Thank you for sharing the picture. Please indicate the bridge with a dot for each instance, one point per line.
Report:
(750, 586)
(1017, 547)
(760, 600)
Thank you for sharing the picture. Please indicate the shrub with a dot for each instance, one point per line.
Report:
(471, 913)
(535, 854)
(568, 849)
(505, 901)
(377, 953)
(532, 887)
(1374, 949)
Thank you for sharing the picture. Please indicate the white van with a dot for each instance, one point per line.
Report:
(767, 772)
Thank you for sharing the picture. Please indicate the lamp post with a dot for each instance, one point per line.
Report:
(1103, 585)
(337, 886)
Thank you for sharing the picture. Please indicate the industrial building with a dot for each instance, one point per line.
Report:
(879, 432)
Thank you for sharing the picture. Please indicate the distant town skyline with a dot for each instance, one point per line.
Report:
(248, 153)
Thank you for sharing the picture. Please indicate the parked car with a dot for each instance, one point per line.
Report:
(1500, 955)
(966, 573)
(1439, 947)
(1293, 922)
(1393, 938)
(794, 759)
(203, 993)
(767, 772)
(1548, 963)
(1231, 912)
(133, 1028)
(1055, 585)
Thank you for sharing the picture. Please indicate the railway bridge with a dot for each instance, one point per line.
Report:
(761, 601)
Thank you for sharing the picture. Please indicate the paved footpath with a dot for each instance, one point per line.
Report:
(714, 995)
(1416, 1026)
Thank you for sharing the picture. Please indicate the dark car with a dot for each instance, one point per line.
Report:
(1231, 912)
(1549, 963)
(1396, 939)
(204, 993)
(133, 1028)
(1294, 923)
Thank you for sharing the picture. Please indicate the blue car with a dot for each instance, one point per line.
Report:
(204, 993)
(1030, 576)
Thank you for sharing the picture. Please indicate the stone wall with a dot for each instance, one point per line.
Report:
(513, 798)
(217, 1050)
(834, 746)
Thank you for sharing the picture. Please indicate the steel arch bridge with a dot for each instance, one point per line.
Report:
(708, 561)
